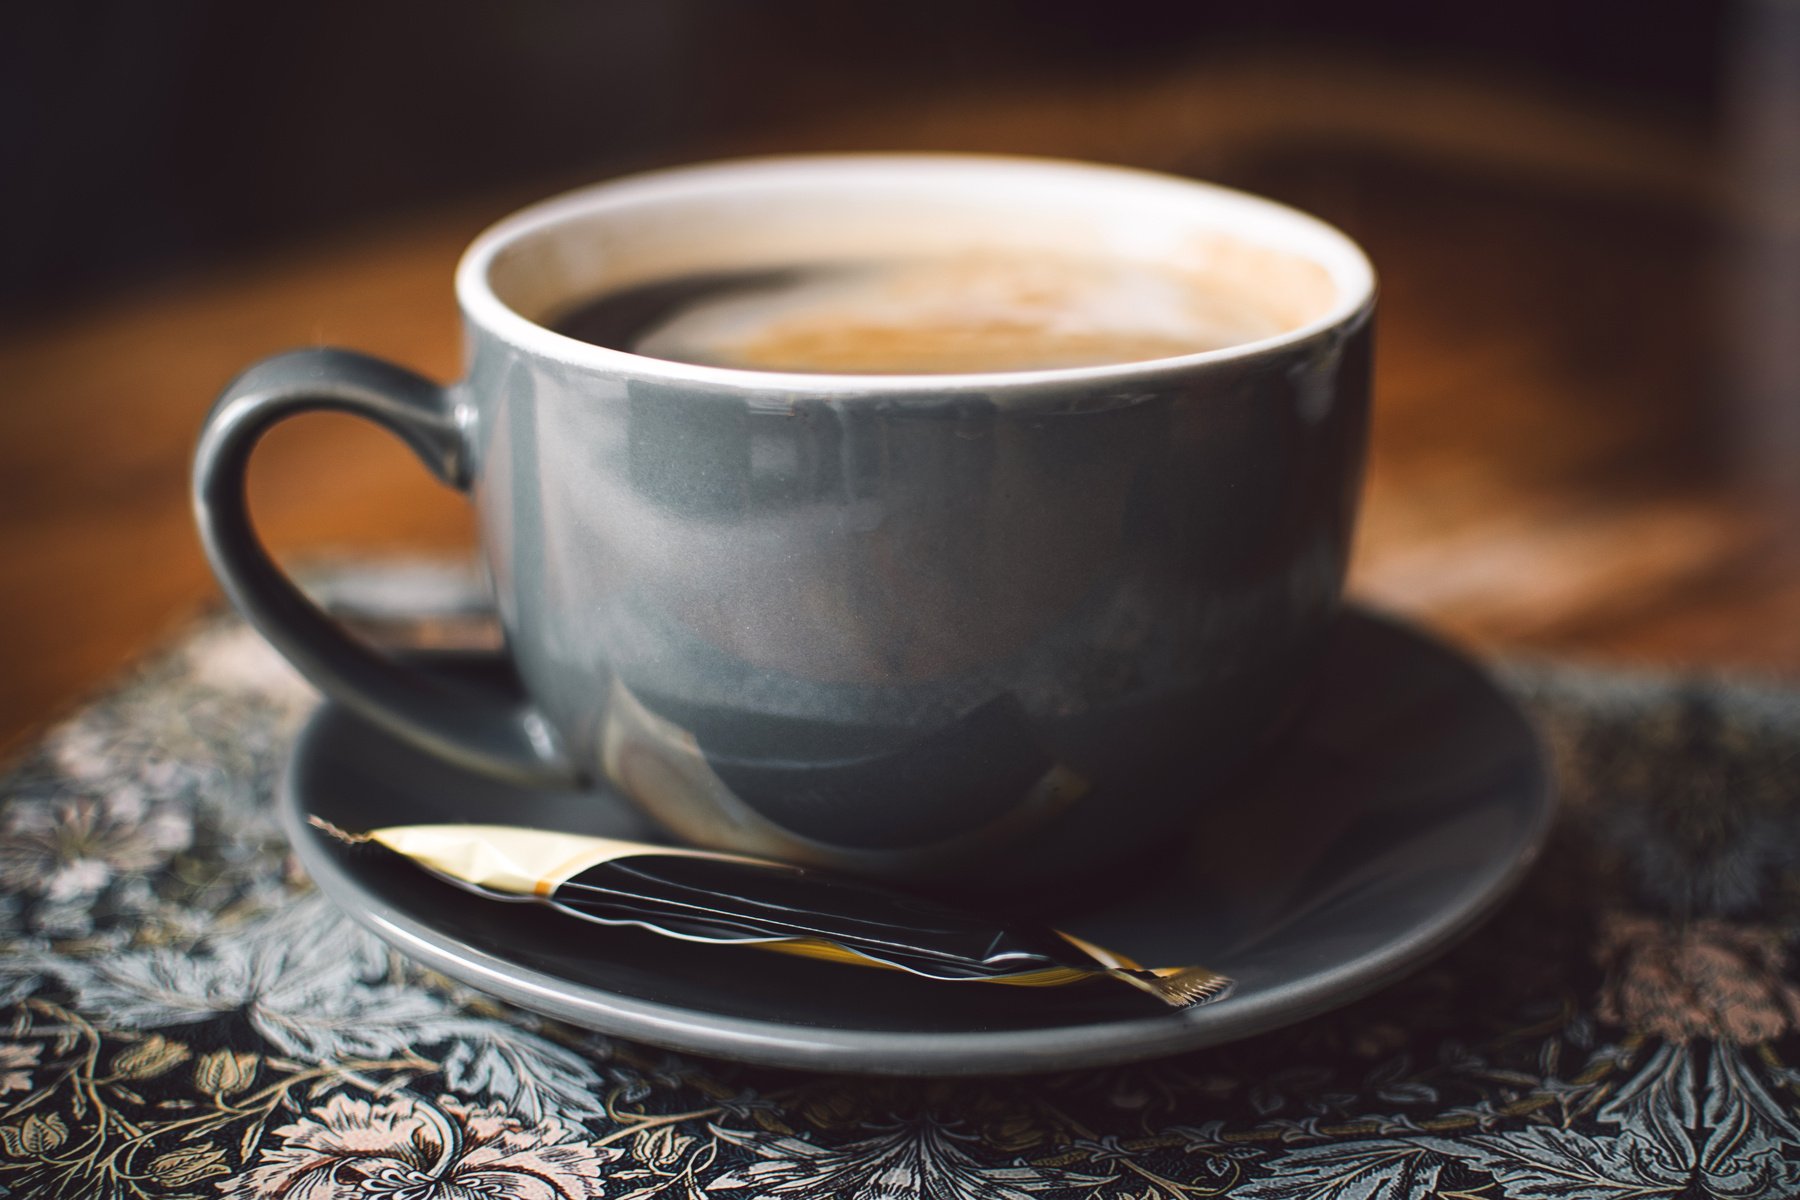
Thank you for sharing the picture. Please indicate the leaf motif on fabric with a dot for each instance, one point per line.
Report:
(1546, 1163)
(1371, 1169)
(1746, 1131)
(317, 988)
(532, 1075)
(921, 1158)
(1659, 1104)
(311, 983)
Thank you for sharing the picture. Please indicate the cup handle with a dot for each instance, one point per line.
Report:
(483, 729)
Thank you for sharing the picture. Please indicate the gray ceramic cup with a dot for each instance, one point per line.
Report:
(974, 631)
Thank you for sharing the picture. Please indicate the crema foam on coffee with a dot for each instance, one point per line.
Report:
(926, 316)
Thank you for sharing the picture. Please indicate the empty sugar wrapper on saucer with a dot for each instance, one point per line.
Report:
(731, 900)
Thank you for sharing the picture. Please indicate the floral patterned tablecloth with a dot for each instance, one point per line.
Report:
(183, 1016)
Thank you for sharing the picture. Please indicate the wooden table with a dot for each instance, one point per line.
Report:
(1577, 451)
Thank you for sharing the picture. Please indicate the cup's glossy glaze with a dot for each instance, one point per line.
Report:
(963, 629)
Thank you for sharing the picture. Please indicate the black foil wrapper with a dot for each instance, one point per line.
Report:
(715, 900)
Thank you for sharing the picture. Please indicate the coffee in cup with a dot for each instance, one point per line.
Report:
(972, 312)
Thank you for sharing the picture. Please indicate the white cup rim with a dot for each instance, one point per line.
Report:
(1352, 276)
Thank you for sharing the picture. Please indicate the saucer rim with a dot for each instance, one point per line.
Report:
(795, 1045)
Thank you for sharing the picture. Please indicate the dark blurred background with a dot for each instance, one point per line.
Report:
(1586, 217)
(144, 138)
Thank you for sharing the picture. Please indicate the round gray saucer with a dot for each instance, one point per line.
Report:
(1404, 801)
